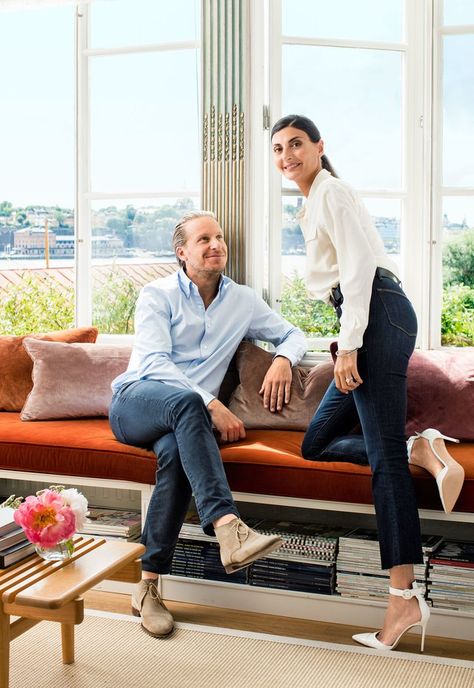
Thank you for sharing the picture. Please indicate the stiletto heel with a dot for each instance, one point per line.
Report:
(371, 640)
(450, 478)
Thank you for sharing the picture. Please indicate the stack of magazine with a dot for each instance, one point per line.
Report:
(451, 576)
(14, 545)
(306, 561)
(197, 554)
(359, 572)
(119, 524)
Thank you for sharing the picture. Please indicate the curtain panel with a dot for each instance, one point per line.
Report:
(224, 126)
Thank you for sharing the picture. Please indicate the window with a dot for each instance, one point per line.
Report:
(142, 87)
(112, 133)
(454, 201)
(37, 170)
(363, 72)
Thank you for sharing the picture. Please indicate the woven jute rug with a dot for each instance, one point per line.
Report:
(112, 651)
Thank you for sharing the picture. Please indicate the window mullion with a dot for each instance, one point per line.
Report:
(275, 204)
(436, 236)
(82, 209)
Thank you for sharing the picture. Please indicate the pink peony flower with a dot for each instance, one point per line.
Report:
(45, 519)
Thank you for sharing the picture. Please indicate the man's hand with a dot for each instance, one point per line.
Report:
(276, 385)
(230, 427)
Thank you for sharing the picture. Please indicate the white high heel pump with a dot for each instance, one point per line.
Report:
(371, 640)
(450, 478)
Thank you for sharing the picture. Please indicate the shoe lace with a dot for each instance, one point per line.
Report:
(152, 590)
(240, 530)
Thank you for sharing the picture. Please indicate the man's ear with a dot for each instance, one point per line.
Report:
(180, 252)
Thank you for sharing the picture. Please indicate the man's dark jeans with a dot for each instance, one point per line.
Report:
(379, 405)
(176, 424)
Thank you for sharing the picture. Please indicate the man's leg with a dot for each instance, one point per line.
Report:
(147, 410)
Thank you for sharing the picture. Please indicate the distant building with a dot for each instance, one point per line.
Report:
(31, 241)
(106, 246)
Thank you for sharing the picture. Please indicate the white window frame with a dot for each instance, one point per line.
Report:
(420, 193)
(439, 190)
(84, 195)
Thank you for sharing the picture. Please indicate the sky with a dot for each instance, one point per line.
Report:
(144, 107)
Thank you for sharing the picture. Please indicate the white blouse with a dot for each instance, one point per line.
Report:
(342, 247)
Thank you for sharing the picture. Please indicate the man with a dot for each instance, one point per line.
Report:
(188, 326)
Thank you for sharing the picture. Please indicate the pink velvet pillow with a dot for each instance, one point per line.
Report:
(16, 365)
(307, 390)
(441, 392)
(72, 380)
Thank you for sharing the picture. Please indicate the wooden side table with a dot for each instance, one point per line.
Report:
(37, 590)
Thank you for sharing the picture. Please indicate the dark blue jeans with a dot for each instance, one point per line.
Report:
(176, 424)
(379, 405)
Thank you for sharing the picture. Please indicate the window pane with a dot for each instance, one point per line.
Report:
(457, 318)
(386, 214)
(145, 122)
(354, 97)
(315, 318)
(362, 20)
(458, 111)
(131, 245)
(143, 22)
(458, 12)
(37, 170)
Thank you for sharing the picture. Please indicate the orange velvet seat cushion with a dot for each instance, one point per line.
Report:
(266, 462)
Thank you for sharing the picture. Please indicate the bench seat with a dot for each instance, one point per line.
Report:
(266, 462)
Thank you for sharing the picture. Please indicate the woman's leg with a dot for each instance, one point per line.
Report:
(381, 403)
(327, 437)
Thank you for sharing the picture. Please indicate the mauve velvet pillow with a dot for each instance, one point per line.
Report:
(307, 390)
(72, 380)
(16, 366)
(441, 393)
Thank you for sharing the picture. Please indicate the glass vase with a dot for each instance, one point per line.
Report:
(60, 552)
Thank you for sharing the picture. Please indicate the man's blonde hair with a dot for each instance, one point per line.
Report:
(179, 235)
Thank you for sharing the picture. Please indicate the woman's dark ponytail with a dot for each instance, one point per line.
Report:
(308, 126)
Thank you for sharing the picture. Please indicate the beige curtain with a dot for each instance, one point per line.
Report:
(224, 126)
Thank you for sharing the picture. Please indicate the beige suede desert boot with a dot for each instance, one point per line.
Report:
(240, 545)
(147, 603)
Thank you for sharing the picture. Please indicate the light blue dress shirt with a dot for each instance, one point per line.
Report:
(181, 343)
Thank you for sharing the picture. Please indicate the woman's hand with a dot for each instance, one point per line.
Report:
(346, 375)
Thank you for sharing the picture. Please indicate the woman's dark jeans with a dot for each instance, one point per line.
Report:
(176, 424)
(379, 405)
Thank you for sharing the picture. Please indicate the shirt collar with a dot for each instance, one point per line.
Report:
(187, 286)
(319, 178)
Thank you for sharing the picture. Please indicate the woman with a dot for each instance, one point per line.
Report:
(347, 266)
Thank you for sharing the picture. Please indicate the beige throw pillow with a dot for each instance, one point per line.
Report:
(72, 380)
(307, 390)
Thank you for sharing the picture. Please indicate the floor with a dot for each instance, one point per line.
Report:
(266, 623)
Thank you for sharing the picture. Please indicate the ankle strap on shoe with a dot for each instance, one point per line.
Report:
(407, 594)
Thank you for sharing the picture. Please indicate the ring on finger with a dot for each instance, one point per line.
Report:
(350, 380)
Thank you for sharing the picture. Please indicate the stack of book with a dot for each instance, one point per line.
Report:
(14, 545)
(451, 576)
(359, 572)
(306, 561)
(118, 524)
